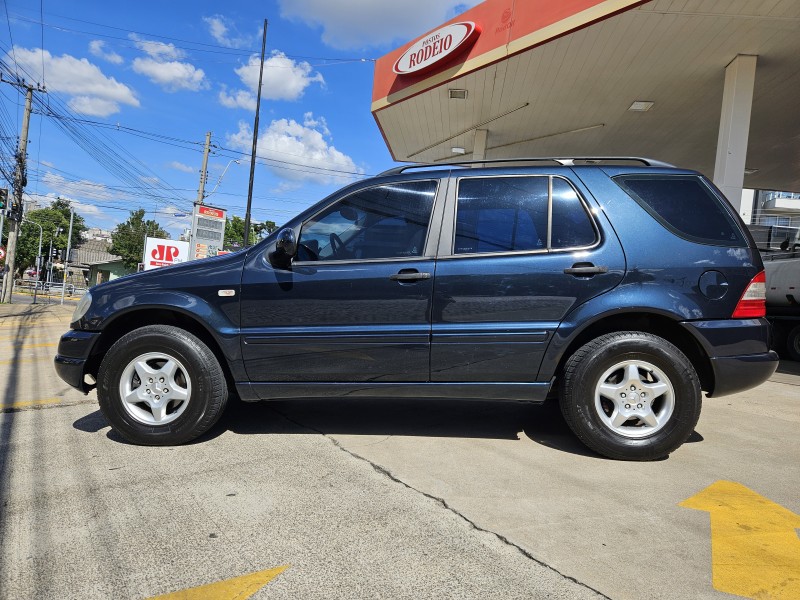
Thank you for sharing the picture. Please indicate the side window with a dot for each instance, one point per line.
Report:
(501, 214)
(508, 214)
(386, 221)
(684, 205)
(572, 226)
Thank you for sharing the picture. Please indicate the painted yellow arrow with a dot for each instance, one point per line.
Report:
(238, 588)
(755, 550)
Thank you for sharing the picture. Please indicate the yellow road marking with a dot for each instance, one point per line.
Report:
(755, 550)
(17, 361)
(24, 346)
(238, 588)
(8, 323)
(42, 402)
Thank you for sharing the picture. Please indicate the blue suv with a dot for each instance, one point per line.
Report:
(625, 287)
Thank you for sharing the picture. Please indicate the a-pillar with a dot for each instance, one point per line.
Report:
(734, 129)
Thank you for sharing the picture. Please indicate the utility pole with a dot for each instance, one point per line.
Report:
(201, 191)
(255, 143)
(20, 180)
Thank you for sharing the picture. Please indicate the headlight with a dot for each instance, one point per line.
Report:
(83, 307)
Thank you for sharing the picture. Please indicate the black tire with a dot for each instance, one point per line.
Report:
(197, 376)
(603, 424)
(793, 343)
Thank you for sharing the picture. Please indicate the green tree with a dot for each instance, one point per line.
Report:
(50, 219)
(234, 234)
(127, 240)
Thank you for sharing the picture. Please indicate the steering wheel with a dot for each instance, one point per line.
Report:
(337, 245)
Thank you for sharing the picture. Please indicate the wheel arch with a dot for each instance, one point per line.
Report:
(647, 322)
(143, 316)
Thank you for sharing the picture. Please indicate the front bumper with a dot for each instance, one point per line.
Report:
(74, 350)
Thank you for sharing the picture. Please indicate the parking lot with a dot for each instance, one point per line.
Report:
(385, 498)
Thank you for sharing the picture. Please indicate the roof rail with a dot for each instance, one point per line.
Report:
(565, 161)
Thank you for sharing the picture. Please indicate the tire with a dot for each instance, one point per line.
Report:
(174, 384)
(793, 343)
(630, 396)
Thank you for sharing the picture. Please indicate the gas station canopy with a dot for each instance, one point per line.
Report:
(712, 85)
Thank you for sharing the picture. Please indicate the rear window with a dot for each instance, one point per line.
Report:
(686, 206)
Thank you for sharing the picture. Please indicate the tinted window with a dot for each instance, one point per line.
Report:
(572, 227)
(501, 214)
(685, 205)
(387, 221)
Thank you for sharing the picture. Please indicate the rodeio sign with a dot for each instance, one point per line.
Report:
(436, 47)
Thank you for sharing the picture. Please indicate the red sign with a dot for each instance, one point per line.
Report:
(211, 212)
(437, 46)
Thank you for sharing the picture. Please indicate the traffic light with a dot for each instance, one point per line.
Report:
(3, 198)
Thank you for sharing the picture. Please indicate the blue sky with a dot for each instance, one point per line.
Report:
(134, 87)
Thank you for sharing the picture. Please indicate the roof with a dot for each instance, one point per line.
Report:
(91, 252)
(558, 78)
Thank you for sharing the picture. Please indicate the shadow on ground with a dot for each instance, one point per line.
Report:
(542, 424)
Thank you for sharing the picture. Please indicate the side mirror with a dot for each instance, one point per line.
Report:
(285, 249)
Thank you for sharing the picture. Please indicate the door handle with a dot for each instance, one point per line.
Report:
(585, 270)
(409, 276)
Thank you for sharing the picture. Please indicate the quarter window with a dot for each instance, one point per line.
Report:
(510, 214)
(684, 205)
(386, 221)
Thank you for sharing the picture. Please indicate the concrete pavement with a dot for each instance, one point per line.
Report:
(392, 499)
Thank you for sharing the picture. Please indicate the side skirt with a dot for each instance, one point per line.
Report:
(515, 392)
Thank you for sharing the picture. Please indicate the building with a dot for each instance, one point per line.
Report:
(705, 84)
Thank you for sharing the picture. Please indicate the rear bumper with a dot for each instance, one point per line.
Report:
(734, 374)
(74, 350)
(738, 350)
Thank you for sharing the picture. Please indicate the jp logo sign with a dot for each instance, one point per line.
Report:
(162, 253)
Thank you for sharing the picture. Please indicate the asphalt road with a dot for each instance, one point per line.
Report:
(365, 499)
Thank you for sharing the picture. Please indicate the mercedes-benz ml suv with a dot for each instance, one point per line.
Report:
(625, 287)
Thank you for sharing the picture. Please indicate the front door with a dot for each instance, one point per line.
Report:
(355, 305)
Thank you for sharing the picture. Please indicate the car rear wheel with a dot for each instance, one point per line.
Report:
(631, 396)
(160, 385)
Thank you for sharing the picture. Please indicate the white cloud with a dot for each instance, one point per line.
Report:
(163, 66)
(93, 93)
(172, 75)
(98, 107)
(284, 79)
(225, 33)
(362, 23)
(306, 147)
(157, 50)
(239, 99)
(97, 48)
(84, 188)
(179, 166)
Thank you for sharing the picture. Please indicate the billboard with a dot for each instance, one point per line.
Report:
(208, 231)
(162, 253)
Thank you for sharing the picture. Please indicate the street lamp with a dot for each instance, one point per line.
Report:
(225, 170)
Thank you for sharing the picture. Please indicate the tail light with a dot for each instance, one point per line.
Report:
(753, 303)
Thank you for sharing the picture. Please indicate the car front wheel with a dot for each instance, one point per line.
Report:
(160, 385)
(631, 396)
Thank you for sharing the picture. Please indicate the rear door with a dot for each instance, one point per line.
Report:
(516, 254)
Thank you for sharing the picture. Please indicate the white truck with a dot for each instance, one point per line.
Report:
(783, 300)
